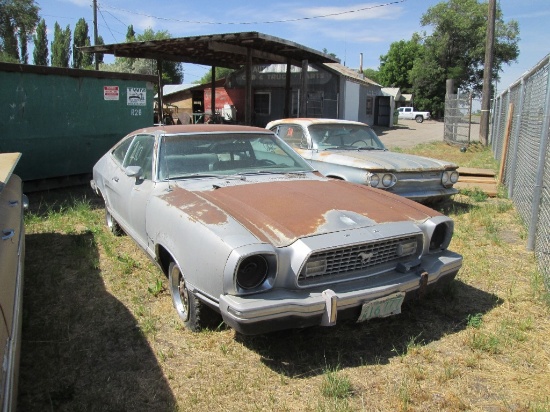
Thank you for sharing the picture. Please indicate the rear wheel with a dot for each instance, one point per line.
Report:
(419, 119)
(192, 312)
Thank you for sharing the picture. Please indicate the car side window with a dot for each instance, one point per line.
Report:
(293, 135)
(119, 153)
(140, 154)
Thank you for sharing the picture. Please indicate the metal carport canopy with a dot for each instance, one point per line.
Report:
(231, 50)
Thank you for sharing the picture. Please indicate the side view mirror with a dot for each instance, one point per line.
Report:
(134, 171)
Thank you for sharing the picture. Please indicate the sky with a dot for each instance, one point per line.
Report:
(346, 28)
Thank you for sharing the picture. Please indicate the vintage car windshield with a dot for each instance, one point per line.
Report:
(344, 136)
(215, 154)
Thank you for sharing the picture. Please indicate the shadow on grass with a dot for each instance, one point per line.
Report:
(81, 349)
(308, 352)
(44, 202)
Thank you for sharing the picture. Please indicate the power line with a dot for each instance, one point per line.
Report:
(258, 22)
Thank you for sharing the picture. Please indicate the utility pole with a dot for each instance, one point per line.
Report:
(95, 33)
(487, 74)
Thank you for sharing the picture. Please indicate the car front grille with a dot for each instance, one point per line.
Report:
(361, 260)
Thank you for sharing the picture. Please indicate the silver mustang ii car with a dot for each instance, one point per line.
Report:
(244, 228)
(352, 151)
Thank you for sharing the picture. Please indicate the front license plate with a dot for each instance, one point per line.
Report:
(380, 308)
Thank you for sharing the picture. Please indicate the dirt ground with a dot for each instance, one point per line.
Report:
(408, 133)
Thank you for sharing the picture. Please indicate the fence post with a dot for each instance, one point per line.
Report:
(537, 192)
(515, 136)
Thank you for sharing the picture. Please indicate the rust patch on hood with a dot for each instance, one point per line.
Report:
(196, 207)
(280, 212)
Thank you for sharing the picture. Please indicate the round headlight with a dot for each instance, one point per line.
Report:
(374, 180)
(388, 180)
(439, 237)
(454, 177)
(252, 272)
(445, 178)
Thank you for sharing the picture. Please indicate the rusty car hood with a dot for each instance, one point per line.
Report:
(282, 211)
(379, 160)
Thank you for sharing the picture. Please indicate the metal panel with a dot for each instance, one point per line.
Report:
(63, 120)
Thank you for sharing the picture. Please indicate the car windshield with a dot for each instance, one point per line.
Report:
(224, 154)
(344, 136)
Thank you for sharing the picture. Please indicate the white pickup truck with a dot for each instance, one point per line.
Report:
(410, 114)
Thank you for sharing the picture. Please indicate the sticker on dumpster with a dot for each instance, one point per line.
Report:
(110, 92)
(136, 96)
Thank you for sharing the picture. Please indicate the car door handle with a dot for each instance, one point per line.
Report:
(115, 179)
(7, 234)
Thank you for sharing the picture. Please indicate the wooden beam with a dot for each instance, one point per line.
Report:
(506, 141)
(256, 54)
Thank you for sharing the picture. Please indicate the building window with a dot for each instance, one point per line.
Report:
(370, 105)
(262, 103)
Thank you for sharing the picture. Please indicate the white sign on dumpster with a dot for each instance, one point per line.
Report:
(136, 96)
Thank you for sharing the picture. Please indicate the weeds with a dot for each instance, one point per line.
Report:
(335, 385)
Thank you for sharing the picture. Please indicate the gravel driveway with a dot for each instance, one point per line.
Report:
(408, 133)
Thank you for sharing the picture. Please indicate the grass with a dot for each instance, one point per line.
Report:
(100, 333)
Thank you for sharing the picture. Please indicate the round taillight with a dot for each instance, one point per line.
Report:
(252, 272)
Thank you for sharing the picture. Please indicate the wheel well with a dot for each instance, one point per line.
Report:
(164, 258)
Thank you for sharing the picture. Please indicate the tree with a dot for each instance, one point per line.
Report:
(372, 74)
(61, 46)
(396, 65)
(172, 72)
(456, 50)
(40, 53)
(221, 72)
(81, 38)
(18, 19)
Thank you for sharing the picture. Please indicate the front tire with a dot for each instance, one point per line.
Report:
(192, 312)
(419, 119)
(112, 224)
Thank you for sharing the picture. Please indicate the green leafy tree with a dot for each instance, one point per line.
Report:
(61, 46)
(172, 72)
(81, 38)
(18, 19)
(40, 39)
(396, 65)
(130, 34)
(221, 72)
(456, 50)
(372, 74)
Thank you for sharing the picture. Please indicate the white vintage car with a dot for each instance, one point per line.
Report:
(12, 256)
(244, 228)
(352, 151)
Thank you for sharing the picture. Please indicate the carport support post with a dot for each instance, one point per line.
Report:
(248, 88)
(286, 112)
(213, 94)
(303, 91)
(159, 71)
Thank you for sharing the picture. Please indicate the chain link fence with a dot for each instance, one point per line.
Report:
(519, 136)
(458, 118)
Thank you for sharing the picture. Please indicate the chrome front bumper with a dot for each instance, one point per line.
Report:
(283, 308)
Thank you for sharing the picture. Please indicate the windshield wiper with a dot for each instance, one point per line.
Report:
(193, 175)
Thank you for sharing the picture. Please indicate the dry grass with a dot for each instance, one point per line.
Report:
(100, 332)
